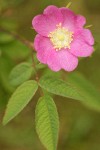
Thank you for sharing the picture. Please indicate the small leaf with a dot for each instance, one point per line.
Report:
(47, 122)
(59, 87)
(19, 99)
(90, 93)
(21, 73)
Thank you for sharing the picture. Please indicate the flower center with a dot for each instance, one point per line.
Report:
(61, 37)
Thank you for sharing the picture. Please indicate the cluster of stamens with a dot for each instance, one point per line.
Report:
(61, 37)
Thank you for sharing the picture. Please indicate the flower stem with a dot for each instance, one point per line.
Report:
(18, 37)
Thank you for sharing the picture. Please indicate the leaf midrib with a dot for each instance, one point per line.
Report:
(50, 123)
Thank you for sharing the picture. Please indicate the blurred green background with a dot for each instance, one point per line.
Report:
(79, 126)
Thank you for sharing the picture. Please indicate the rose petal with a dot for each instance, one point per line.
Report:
(80, 20)
(43, 47)
(46, 23)
(87, 36)
(53, 61)
(67, 61)
(72, 21)
(69, 19)
(53, 10)
(80, 48)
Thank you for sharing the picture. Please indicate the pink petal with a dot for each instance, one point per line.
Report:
(45, 52)
(68, 61)
(53, 10)
(80, 20)
(46, 23)
(55, 13)
(53, 61)
(80, 48)
(43, 47)
(62, 60)
(69, 18)
(87, 36)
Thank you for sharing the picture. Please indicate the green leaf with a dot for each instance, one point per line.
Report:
(19, 99)
(90, 93)
(59, 87)
(47, 122)
(21, 73)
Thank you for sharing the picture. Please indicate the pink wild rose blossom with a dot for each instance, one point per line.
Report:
(61, 38)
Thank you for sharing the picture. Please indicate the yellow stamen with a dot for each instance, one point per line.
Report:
(61, 37)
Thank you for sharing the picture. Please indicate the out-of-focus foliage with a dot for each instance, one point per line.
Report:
(91, 96)
(79, 126)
